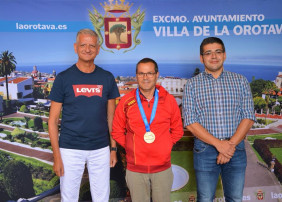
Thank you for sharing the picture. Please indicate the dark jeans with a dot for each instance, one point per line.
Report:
(207, 172)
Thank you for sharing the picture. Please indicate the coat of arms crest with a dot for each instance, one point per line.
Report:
(118, 25)
(260, 195)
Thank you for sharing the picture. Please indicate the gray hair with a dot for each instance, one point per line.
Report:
(89, 32)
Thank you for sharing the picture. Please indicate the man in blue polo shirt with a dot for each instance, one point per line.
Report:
(86, 95)
(218, 110)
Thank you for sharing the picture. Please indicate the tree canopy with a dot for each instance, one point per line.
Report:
(260, 86)
(259, 103)
(7, 66)
(38, 123)
(118, 28)
(17, 180)
(17, 131)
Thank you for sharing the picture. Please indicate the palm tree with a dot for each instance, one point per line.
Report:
(7, 66)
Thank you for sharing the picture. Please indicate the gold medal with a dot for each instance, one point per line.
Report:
(149, 137)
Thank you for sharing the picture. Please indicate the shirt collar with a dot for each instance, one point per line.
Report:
(143, 96)
(208, 75)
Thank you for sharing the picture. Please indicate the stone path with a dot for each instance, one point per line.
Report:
(259, 180)
(20, 114)
(257, 175)
(46, 157)
(272, 128)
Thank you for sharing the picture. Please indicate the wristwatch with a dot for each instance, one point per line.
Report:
(113, 148)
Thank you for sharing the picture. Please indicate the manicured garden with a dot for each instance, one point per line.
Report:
(26, 175)
(251, 138)
(268, 150)
(277, 152)
(261, 123)
(35, 124)
(23, 137)
(40, 110)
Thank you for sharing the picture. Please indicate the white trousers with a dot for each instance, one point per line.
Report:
(98, 165)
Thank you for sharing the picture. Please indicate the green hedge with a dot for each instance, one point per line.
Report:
(262, 147)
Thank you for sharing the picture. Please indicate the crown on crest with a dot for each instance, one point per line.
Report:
(117, 7)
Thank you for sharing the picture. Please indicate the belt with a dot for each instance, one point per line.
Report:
(224, 138)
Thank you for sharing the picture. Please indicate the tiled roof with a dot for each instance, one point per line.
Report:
(18, 80)
(131, 82)
(3, 79)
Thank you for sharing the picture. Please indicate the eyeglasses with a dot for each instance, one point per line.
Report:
(149, 74)
(209, 53)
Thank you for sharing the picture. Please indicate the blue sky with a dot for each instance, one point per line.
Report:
(52, 47)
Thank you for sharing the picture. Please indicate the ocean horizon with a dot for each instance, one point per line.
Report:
(266, 72)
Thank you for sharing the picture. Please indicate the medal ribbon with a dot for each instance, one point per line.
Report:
(147, 125)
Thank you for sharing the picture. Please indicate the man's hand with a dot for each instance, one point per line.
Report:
(226, 148)
(113, 159)
(58, 167)
(221, 159)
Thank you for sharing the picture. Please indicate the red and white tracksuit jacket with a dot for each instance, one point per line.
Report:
(129, 129)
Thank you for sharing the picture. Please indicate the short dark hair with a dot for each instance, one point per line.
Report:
(210, 40)
(146, 60)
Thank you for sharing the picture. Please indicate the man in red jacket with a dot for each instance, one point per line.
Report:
(147, 123)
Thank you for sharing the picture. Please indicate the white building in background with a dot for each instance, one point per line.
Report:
(20, 88)
(278, 80)
(173, 85)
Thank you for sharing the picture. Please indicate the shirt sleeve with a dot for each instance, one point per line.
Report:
(188, 105)
(57, 91)
(176, 126)
(247, 109)
(119, 124)
(113, 93)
